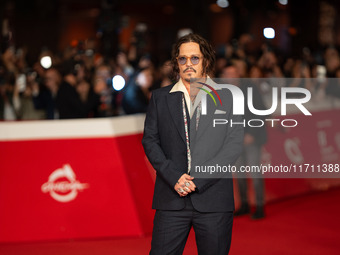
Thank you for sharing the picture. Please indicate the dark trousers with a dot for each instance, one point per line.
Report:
(251, 156)
(171, 230)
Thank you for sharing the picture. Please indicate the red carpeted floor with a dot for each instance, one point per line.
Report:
(308, 224)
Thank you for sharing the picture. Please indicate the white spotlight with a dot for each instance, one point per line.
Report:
(118, 82)
(269, 33)
(46, 62)
(283, 2)
(222, 3)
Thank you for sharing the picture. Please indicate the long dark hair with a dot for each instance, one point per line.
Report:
(206, 49)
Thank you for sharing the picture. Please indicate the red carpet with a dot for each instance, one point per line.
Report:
(302, 225)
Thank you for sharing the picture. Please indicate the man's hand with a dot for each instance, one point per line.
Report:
(185, 185)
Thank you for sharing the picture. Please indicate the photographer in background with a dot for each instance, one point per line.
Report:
(25, 88)
(101, 85)
(137, 93)
(70, 103)
(44, 94)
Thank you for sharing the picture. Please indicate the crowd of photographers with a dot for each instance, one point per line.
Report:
(78, 84)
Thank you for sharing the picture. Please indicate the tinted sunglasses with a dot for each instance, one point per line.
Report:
(193, 59)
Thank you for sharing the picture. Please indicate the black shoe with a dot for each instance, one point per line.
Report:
(259, 213)
(244, 209)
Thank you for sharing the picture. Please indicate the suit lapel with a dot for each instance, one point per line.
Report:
(174, 101)
(206, 120)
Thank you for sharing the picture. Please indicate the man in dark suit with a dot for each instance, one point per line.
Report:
(178, 139)
(254, 139)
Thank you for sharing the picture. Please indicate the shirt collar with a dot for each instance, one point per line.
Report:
(179, 87)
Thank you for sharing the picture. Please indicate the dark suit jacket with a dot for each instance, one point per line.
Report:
(259, 133)
(165, 146)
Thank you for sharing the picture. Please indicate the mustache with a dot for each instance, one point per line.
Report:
(189, 68)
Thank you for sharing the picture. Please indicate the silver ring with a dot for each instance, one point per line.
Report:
(180, 190)
(187, 184)
(186, 188)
